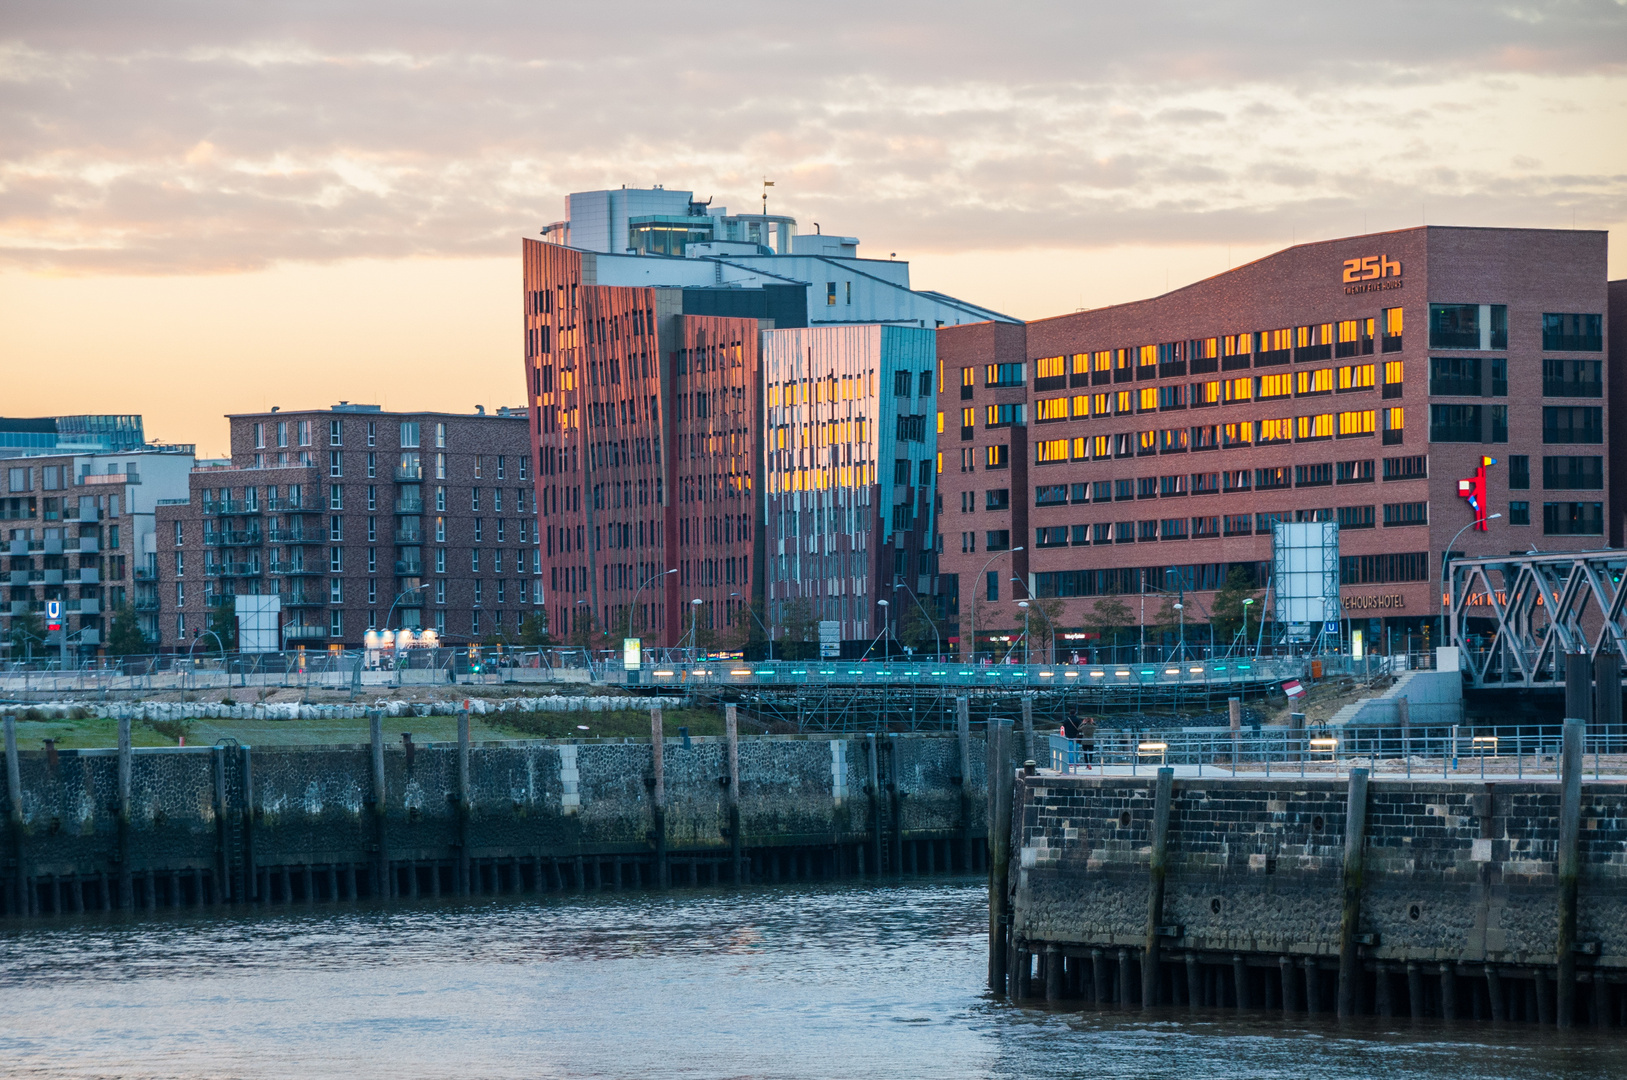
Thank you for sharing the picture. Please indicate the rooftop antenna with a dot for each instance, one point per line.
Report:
(767, 183)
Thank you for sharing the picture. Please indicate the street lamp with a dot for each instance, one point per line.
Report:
(975, 586)
(937, 642)
(1024, 605)
(634, 611)
(886, 624)
(694, 626)
(1444, 557)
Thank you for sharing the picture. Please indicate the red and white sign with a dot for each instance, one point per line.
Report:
(1293, 688)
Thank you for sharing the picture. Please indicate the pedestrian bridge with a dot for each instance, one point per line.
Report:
(1194, 674)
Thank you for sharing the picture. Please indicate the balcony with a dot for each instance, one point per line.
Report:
(51, 577)
(403, 568)
(301, 598)
(231, 569)
(146, 573)
(411, 599)
(409, 536)
(81, 514)
(227, 507)
(84, 607)
(293, 536)
(23, 607)
(90, 575)
(409, 506)
(146, 603)
(89, 545)
(90, 636)
(229, 538)
(21, 579)
(283, 569)
(409, 473)
(303, 632)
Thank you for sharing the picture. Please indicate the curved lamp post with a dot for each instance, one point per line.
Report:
(937, 641)
(633, 612)
(975, 587)
(1444, 561)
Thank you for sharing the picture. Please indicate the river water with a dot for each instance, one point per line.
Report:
(848, 981)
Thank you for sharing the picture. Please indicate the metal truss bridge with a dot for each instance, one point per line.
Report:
(1541, 621)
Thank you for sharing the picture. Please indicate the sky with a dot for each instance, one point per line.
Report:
(212, 207)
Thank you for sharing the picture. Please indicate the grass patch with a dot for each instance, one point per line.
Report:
(632, 724)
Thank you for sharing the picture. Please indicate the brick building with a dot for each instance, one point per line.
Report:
(358, 519)
(77, 528)
(1354, 380)
(647, 426)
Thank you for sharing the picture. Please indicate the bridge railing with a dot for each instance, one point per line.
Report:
(1502, 752)
(1196, 675)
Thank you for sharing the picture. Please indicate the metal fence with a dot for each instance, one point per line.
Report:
(1448, 751)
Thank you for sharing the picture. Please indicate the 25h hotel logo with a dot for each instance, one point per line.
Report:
(1374, 273)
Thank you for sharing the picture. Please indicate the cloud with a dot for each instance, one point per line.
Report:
(200, 137)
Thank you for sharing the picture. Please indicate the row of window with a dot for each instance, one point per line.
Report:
(1346, 425)
(286, 433)
(1206, 577)
(225, 502)
(336, 622)
(1489, 423)
(407, 563)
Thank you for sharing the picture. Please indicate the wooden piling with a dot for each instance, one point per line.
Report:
(1194, 982)
(1121, 978)
(1240, 980)
(1028, 728)
(1350, 915)
(1098, 976)
(461, 885)
(731, 734)
(872, 763)
(1285, 970)
(963, 730)
(384, 887)
(1578, 686)
(999, 848)
(1313, 987)
(251, 880)
(1383, 1001)
(1607, 692)
(19, 903)
(223, 865)
(1494, 991)
(1415, 991)
(1164, 789)
(1053, 972)
(1449, 992)
(127, 898)
(658, 796)
(1570, 813)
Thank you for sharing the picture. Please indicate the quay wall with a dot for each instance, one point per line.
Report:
(210, 824)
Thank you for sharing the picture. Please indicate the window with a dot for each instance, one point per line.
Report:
(967, 378)
(336, 527)
(1384, 569)
(1050, 373)
(1355, 517)
(1573, 473)
(480, 466)
(1572, 378)
(1274, 431)
(1051, 495)
(1572, 518)
(1241, 389)
(334, 428)
(1392, 329)
(336, 590)
(336, 623)
(178, 535)
(1169, 486)
(997, 539)
(409, 434)
(1415, 467)
(1051, 536)
(1499, 423)
(1455, 375)
(997, 499)
(992, 586)
(1147, 487)
(1003, 415)
(1519, 471)
(1392, 378)
(474, 498)
(1172, 397)
(1572, 424)
(440, 591)
(1005, 375)
(336, 463)
(1454, 423)
(440, 436)
(1454, 326)
(372, 497)
(1205, 394)
(440, 560)
(1408, 513)
(1499, 377)
(1241, 434)
(1274, 386)
(1273, 347)
(336, 560)
(440, 500)
(282, 433)
(304, 429)
(1205, 483)
(1147, 400)
(1307, 428)
(1354, 472)
(1172, 528)
(372, 560)
(336, 497)
(1572, 333)
(1313, 475)
(1394, 424)
(1519, 512)
(1081, 405)
(830, 294)
(1237, 524)
(372, 432)
(1271, 478)
(996, 457)
(479, 529)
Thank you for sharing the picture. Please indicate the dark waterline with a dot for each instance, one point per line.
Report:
(847, 981)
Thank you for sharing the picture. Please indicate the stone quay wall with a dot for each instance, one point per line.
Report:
(1455, 892)
(200, 825)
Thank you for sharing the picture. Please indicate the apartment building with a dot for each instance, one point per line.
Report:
(1356, 380)
(77, 529)
(357, 519)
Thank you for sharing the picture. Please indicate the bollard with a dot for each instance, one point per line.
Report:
(1028, 727)
(14, 792)
(127, 896)
(1350, 915)
(461, 886)
(1164, 788)
(1570, 813)
(731, 733)
(658, 796)
(383, 887)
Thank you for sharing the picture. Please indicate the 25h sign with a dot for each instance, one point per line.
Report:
(1371, 268)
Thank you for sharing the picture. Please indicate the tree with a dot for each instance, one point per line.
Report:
(124, 636)
(1166, 621)
(534, 632)
(1042, 624)
(27, 634)
(223, 621)
(1229, 614)
(797, 621)
(1107, 618)
(917, 629)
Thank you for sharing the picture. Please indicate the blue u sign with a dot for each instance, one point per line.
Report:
(53, 610)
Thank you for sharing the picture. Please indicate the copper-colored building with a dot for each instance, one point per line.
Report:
(648, 429)
(1354, 380)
